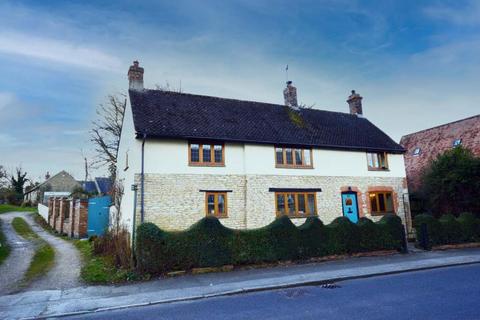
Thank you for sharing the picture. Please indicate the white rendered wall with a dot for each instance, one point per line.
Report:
(171, 156)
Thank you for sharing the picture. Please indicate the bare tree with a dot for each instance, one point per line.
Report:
(168, 87)
(3, 177)
(106, 131)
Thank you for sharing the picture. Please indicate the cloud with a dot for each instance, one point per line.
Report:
(468, 15)
(59, 51)
(6, 98)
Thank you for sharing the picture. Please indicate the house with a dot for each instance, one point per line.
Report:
(184, 156)
(98, 186)
(424, 146)
(61, 184)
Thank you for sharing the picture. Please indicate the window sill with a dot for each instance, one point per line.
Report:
(218, 216)
(280, 166)
(192, 164)
(378, 169)
(378, 214)
(297, 216)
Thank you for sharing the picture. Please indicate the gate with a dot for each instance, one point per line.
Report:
(98, 215)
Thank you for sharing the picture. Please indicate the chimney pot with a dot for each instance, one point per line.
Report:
(355, 103)
(135, 76)
(290, 96)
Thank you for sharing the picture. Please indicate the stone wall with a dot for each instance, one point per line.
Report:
(175, 201)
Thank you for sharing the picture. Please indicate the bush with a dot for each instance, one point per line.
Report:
(448, 229)
(115, 244)
(209, 244)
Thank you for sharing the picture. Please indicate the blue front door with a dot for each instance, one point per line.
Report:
(349, 205)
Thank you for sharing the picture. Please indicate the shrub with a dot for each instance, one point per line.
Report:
(313, 236)
(342, 236)
(434, 228)
(392, 233)
(209, 244)
(115, 244)
(470, 227)
(451, 229)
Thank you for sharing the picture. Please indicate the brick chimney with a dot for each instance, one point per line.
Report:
(355, 103)
(135, 77)
(290, 96)
(47, 176)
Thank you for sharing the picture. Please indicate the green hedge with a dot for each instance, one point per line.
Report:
(210, 244)
(448, 229)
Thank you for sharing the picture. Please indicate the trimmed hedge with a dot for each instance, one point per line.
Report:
(448, 229)
(210, 244)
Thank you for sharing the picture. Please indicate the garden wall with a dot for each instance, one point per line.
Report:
(210, 244)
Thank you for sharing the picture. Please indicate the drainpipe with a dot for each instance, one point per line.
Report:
(142, 182)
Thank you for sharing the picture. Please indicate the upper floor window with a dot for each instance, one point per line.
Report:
(381, 203)
(216, 204)
(202, 154)
(286, 157)
(296, 204)
(457, 142)
(416, 152)
(377, 161)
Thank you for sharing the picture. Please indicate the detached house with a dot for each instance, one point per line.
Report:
(185, 156)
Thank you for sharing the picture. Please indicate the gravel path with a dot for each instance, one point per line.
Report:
(13, 268)
(66, 271)
(64, 274)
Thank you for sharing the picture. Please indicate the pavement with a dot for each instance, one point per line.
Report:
(439, 294)
(91, 299)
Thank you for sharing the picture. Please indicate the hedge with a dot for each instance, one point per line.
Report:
(448, 229)
(210, 244)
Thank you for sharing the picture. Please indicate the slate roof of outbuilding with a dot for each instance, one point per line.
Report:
(165, 114)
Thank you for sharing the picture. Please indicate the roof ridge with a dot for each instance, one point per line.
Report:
(439, 126)
(242, 100)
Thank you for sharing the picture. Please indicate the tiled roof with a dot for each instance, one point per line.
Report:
(163, 114)
(104, 184)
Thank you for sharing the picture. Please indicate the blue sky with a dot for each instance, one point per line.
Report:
(415, 62)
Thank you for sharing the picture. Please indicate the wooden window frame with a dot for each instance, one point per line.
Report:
(296, 214)
(215, 197)
(384, 168)
(377, 199)
(201, 163)
(294, 165)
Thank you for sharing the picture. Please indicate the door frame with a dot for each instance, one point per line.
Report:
(356, 203)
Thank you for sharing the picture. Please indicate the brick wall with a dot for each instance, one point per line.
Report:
(80, 218)
(69, 216)
(437, 140)
(174, 201)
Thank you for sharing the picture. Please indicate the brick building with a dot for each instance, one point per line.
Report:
(424, 146)
(183, 157)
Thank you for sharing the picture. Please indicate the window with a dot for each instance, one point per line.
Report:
(286, 157)
(216, 204)
(416, 152)
(295, 204)
(381, 203)
(202, 154)
(377, 161)
(457, 142)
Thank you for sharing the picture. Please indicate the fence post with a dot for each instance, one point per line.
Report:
(424, 238)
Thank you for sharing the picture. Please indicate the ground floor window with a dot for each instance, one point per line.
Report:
(296, 204)
(381, 202)
(216, 204)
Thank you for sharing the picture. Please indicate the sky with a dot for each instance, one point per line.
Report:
(416, 63)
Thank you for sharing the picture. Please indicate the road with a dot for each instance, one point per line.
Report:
(448, 293)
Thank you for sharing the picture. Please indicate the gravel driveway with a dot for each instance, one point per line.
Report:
(65, 272)
(21, 252)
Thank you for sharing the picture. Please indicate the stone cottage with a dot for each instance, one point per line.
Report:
(185, 156)
(60, 184)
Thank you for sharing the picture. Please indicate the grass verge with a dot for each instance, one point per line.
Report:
(44, 256)
(10, 208)
(23, 229)
(101, 269)
(4, 247)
